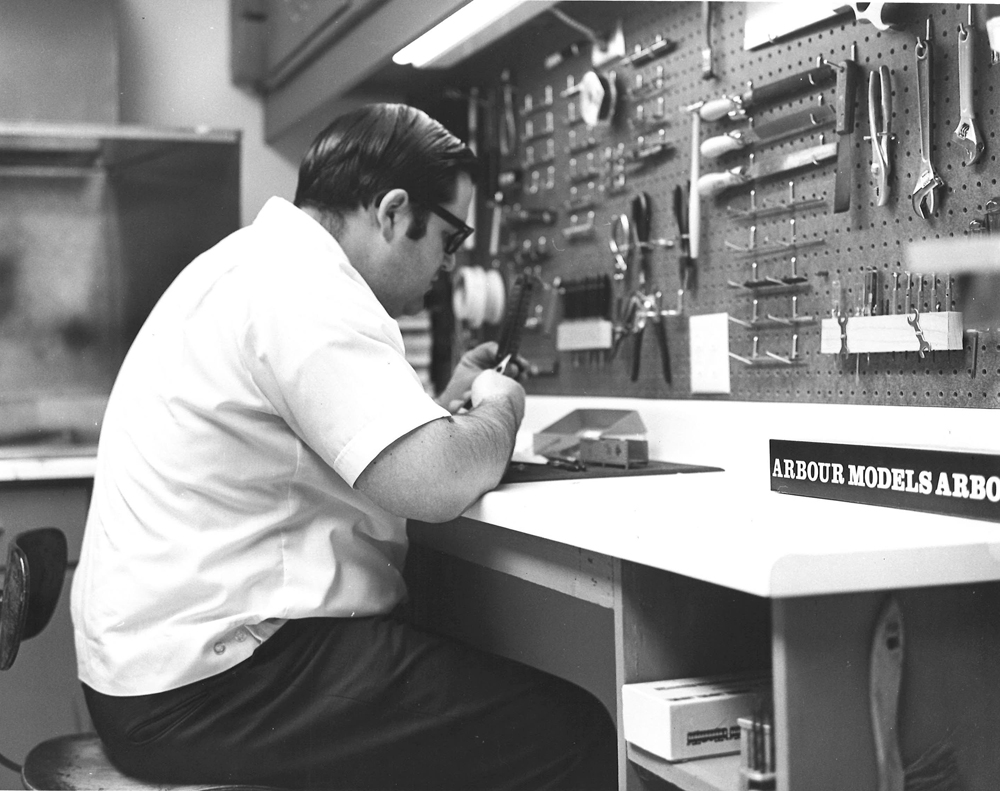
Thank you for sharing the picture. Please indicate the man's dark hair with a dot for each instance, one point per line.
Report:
(365, 153)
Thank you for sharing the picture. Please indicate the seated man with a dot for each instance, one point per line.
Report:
(236, 603)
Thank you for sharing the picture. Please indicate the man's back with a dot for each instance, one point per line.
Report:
(218, 509)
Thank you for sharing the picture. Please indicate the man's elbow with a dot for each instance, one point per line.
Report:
(440, 504)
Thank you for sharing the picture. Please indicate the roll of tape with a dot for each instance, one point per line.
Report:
(469, 296)
(496, 297)
(459, 289)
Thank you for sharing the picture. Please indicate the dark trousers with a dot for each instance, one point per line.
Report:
(368, 703)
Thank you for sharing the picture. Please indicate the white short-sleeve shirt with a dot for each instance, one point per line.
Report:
(264, 381)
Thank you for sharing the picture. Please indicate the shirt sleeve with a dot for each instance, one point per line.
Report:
(331, 362)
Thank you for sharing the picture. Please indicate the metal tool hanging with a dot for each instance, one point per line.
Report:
(924, 196)
(967, 133)
(880, 131)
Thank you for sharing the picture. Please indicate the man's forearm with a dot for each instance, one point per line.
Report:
(440, 469)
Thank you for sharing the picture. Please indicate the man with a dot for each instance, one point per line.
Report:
(263, 445)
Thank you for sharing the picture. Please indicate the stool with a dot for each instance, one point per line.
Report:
(36, 565)
(77, 762)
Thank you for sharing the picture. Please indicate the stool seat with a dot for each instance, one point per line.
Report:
(78, 761)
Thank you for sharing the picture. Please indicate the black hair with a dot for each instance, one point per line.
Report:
(365, 153)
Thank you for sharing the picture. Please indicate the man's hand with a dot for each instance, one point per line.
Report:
(473, 363)
(490, 386)
(438, 470)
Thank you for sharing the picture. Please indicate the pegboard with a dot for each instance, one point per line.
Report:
(773, 228)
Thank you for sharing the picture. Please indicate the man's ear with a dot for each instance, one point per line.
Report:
(393, 213)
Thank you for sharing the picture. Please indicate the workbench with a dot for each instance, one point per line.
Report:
(670, 576)
(710, 572)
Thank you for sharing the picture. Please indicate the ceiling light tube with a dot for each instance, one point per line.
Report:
(471, 27)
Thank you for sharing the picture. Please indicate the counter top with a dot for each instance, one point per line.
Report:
(729, 528)
(32, 463)
(725, 527)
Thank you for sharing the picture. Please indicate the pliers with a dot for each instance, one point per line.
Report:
(647, 302)
(879, 119)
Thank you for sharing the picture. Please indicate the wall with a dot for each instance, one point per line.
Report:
(59, 61)
(174, 71)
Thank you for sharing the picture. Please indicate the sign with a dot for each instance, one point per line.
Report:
(940, 482)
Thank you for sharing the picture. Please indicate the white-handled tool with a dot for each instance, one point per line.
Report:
(797, 123)
(712, 184)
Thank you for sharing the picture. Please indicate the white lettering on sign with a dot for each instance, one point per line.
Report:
(966, 486)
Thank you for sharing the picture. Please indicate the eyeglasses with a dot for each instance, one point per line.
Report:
(454, 240)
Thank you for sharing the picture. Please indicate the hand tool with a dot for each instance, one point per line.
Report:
(914, 321)
(993, 216)
(924, 194)
(974, 345)
(642, 217)
(512, 328)
(842, 323)
(508, 124)
(694, 204)
(649, 309)
(707, 66)
(801, 122)
(966, 132)
(786, 88)
(766, 167)
(621, 243)
(848, 74)
(879, 120)
(684, 263)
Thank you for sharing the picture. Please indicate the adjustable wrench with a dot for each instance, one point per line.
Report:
(924, 194)
(966, 132)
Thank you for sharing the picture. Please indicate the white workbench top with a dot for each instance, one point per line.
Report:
(729, 528)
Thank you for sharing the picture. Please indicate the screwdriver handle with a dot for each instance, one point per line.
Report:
(637, 354)
(661, 337)
(715, 147)
(714, 109)
(713, 183)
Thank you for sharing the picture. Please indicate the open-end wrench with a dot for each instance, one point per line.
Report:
(928, 182)
(922, 345)
(966, 132)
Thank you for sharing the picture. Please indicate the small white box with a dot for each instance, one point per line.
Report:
(686, 718)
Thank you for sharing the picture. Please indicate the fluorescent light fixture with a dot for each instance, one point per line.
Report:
(469, 29)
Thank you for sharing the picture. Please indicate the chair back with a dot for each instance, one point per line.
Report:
(36, 567)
